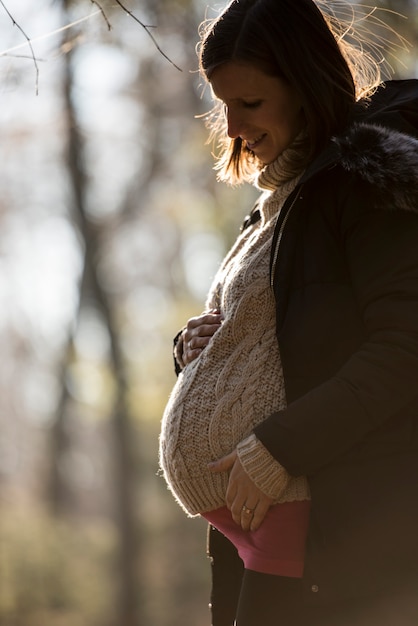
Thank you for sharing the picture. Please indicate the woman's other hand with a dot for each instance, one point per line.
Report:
(196, 336)
(247, 503)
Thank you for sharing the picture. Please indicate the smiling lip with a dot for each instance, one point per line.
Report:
(253, 143)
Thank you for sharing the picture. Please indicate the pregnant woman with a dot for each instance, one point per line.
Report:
(293, 425)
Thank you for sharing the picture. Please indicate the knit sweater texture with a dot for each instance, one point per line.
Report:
(237, 381)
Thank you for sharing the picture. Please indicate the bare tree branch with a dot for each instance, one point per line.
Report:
(109, 25)
(29, 44)
(147, 29)
(29, 41)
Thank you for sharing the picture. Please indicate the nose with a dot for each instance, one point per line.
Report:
(234, 123)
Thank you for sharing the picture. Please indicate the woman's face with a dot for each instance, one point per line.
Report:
(263, 110)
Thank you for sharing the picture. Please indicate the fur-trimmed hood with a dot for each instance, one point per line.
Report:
(381, 146)
(385, 158)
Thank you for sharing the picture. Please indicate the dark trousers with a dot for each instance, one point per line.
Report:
(277, 601)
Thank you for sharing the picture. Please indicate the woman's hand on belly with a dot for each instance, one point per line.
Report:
(196, 336)
(247, 503)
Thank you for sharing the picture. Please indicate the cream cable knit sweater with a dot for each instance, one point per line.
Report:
(237, 381)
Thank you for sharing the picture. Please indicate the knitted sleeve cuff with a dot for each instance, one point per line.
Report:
(263, 469)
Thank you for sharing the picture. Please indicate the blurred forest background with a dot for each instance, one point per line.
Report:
(111, 227)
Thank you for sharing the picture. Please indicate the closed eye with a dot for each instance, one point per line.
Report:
(252, 105)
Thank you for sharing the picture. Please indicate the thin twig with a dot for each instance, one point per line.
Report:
(22, 56)
(109, 25)
(149, 33)
(29, 44)
(49, 33)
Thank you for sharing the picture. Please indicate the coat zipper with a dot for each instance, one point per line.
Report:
(279, 238)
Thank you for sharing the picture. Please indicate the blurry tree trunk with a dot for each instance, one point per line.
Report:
(129, 607)
(59, 496)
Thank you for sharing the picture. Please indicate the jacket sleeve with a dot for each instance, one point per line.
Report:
(379, 381)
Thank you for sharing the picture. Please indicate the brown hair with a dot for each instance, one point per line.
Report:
(294, 40)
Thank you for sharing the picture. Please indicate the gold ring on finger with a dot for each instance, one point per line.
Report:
(247, 511)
